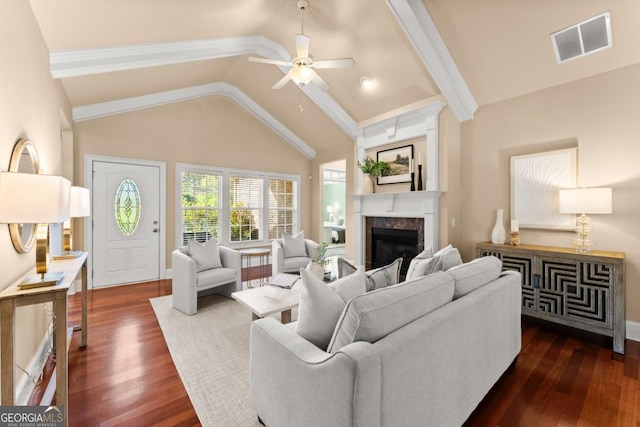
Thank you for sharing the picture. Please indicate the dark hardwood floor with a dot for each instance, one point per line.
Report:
(125, 376)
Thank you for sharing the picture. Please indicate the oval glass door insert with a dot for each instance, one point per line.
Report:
(127, 207)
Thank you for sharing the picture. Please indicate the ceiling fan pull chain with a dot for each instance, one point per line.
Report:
(301, 108)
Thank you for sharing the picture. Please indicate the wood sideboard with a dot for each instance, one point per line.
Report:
(584, 291)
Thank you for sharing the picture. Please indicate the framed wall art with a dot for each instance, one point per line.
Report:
(535, 181)
(401, 161)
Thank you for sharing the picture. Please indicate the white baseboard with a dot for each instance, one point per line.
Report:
(633, 330)
(25, 385)
(168, 273)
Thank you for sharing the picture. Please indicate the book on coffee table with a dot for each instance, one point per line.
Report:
(283, 280)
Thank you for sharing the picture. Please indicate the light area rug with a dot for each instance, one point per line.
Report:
(211, 352)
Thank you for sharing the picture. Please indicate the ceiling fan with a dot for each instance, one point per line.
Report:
(303, 66)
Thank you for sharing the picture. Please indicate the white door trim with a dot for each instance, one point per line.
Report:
(88, 182)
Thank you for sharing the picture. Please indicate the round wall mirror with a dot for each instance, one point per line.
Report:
(24, 159)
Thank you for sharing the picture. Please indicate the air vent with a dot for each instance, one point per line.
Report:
(582, 39)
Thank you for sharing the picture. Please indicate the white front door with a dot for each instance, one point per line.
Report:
(126, 223)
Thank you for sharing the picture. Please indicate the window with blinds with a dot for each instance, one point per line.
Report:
(283, 207)
(245, 208)
(237, 207)
(200, 206)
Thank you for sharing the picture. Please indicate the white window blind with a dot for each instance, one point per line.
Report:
(283, 207)
(245, 208)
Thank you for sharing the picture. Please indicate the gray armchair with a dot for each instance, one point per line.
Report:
(188, 283)
(280, 264)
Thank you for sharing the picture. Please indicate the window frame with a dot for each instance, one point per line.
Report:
(224, 226)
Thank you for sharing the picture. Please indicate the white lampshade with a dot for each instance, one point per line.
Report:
(33, 198)
(80, 202)
(301, 74)
(585, 201)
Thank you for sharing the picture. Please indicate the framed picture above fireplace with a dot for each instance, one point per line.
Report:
(401, 161)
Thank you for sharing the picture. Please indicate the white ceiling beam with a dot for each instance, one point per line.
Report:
(103, 109)
(423, 34)
(82, 62)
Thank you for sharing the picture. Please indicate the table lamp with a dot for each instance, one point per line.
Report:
(80, 206)
(35, 199)
(584, 201)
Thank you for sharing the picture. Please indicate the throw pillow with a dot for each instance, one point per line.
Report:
(384, 276)
(321, 305)
(426, 254)
(474, 274)
(372, 316)
(447, 258)
(423, 267)
(293, 246)
(206, 256)
(377, 278)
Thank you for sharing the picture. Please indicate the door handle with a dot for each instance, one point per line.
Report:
(155, 230)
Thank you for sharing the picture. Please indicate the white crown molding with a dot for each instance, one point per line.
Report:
(423, 34)
(93, 111)
(83, 62)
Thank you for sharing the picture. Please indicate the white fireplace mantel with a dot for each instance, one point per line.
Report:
(413, 204)
(411, 123)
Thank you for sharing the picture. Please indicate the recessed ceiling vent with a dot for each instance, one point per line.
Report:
(584, 38)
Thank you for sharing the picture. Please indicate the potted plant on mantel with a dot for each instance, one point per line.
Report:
(371, 169)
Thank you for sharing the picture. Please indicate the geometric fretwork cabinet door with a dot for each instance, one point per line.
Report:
(585, 291)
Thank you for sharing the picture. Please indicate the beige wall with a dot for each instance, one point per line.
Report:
(601, 115)
(213, 131)
(30, 107)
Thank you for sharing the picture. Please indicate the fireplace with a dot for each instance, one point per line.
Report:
(390, 238)
(415, 210)
(388, 244)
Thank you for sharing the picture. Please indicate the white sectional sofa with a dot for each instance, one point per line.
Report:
(420, 353)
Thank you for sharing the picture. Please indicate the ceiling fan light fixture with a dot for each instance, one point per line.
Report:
(302, 74)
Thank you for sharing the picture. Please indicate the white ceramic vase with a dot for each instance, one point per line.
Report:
(498, 234)
(316, 269)
(367, 184)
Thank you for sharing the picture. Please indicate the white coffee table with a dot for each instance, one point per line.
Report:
(267, 300)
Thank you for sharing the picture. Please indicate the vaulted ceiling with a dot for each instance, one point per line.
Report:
(118, 55)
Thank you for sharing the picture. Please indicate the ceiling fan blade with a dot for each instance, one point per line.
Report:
(318, 81)
(335, 63)
(283, 81)
(302, 46)
(269, 61)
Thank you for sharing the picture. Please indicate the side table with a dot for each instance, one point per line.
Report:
(247, 255)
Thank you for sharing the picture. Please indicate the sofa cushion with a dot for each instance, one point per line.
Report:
(293, 246)
(421, 257)
(215, 276)
(321, 305)
(373, 315)
(376, 278)
(474, 274)
(206, 255)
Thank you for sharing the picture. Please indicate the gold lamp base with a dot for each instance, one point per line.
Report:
(68, 255)
(42, 276)
(38, 280)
